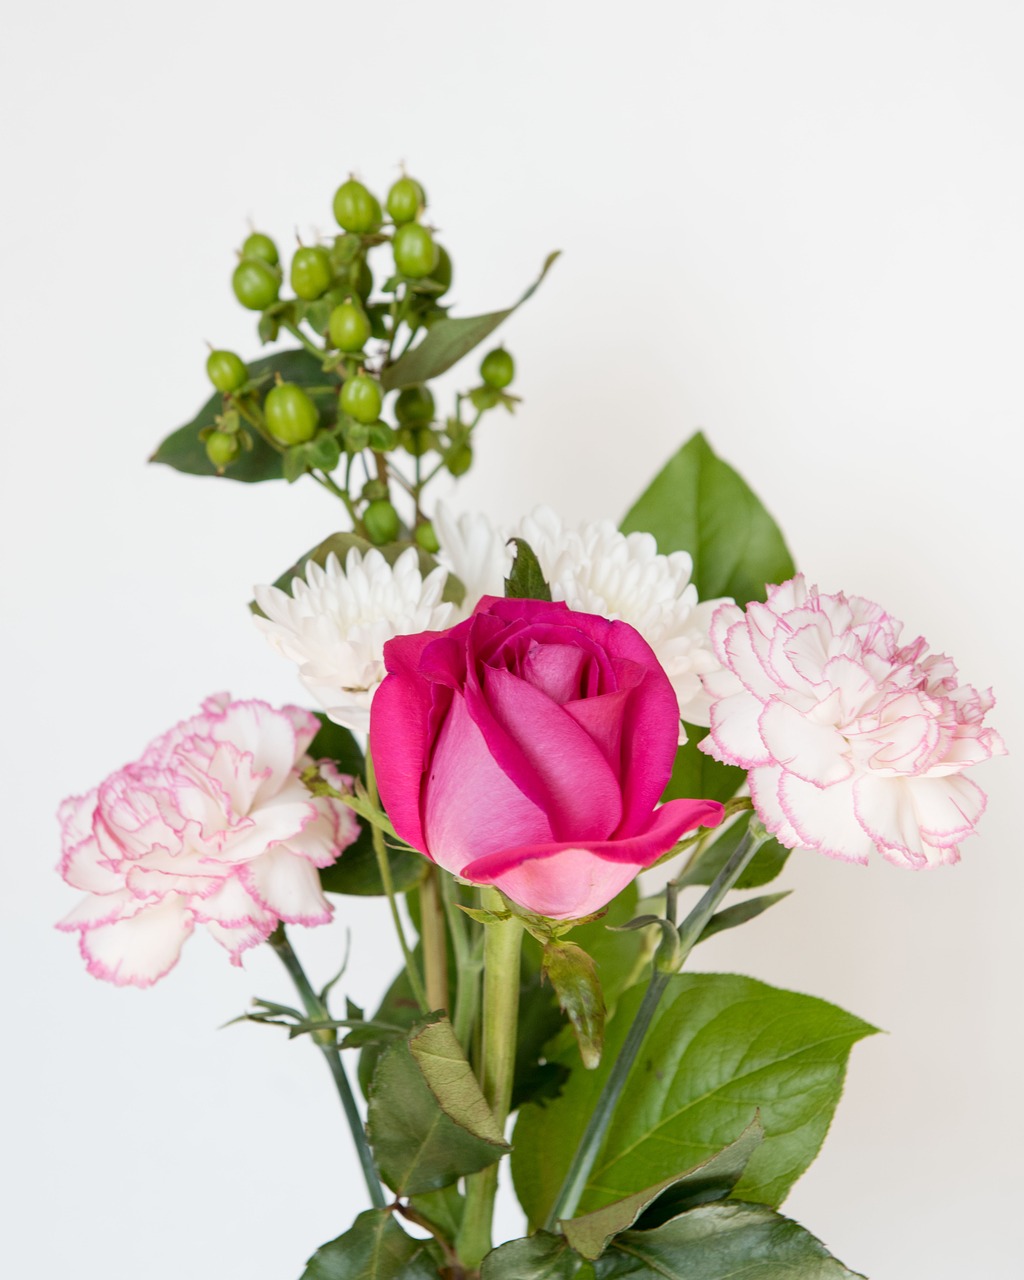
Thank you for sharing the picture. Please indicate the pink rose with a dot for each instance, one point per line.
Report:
(853, 740)
(212, 826)
(527, 748)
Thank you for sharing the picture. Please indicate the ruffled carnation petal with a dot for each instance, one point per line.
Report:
(141, 949)
(288, 887)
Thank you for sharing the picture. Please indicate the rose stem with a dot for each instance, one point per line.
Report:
(327, 1043)
(435, 941)
(503, 940)
(377, 836)
(689, 931)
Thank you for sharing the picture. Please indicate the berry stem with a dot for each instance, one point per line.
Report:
(311, 347)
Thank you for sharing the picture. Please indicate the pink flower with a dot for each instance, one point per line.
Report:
(853, 741)
(527, 748)
(212, 826)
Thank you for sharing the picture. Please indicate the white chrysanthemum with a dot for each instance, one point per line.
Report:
(336, 622)
(597, 569)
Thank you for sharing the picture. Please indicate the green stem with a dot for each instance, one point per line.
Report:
(690, 930)
(379, 848)
(327, 1043)
(468, 964)
(435, 941)
(503, 941)
(323, 478)
(311, 347)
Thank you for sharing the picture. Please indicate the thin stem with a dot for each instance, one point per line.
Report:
(468, 964)
(324, 478)
(435, 941)
(311, 347)
(500, 1018)
(379, 848)
(601, 1117)
(327, 1043)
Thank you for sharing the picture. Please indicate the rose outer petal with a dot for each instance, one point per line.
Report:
(563, 896)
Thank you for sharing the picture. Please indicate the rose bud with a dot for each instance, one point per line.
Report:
(527, 748)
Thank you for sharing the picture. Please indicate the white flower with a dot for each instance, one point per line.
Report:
(336, 622)
(596, 569)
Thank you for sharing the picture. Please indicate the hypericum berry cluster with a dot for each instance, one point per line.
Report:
(338, 416)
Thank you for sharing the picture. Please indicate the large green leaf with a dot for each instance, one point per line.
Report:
(697, 776)
(428, 1122)
(374, 1248)
(722, 1241)
(448, 340)
(698, 503)
(184, 451)
(538, 1257)
(719, 1048)
(714, 1179)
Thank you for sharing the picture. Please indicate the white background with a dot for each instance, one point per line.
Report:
(795, 225)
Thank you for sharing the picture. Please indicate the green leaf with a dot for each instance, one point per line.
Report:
(695, 775)
(448, 340)
(719, 1046)
(526, 579)
(714, 1179)
(573, 974)
(442, 1209)
(722, 1242)
(428, 1122)
(184, 451)
(698, 503)
(537, 1257)
(740, 913)
(335, 742)
(356, 871)
(374, 1248)
(766, 864)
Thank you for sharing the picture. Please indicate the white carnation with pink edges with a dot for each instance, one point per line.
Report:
(853, 741)
(212, 826)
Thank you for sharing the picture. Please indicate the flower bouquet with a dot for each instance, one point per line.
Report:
(512, 725)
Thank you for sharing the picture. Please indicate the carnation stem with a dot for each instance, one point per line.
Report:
(435, 941)
(601, 1117)
(327, 1043)
(379, 848)
(503, 940)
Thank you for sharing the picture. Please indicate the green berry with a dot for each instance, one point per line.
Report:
(442, 273)
(417, 441)
(427, 538)
(226, 371)
(255, 283)
(258, 245)
(311, 272)
(414, 407)
(291, 415)
(497, 368)
(356, 209)
(348, 327)
(381, 522)
(405, 200)
(416, 254)
(361, 398)
(459, 460)
(222, 449)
